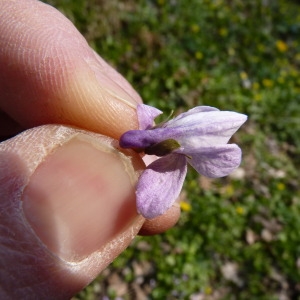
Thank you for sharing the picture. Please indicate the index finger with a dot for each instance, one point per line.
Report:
(49, 74)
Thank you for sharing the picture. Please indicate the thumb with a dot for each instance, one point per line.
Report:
(67, 210)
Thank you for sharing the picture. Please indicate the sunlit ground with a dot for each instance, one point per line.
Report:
(238, 237)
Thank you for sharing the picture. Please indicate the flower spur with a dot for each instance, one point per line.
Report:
(198, 137)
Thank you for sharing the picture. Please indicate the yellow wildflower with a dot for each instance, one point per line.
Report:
(261, 47)
(281, 46)
(244, 75)
(294, 72)
(297, 90)
(297, 57)
(267, 83)
(195, 28)
(283, 72)
(208, 290)
(257, 97)
(281, 79)
(280, 186)
(185, 206)
(255, 85)
(199, 55)
(229, 190)
(240, 210)
(223, 31)
(231, 51)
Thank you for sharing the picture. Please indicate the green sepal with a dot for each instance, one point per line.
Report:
(161, 124)
(162, 148)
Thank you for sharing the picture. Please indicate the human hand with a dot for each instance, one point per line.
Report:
(67, 204)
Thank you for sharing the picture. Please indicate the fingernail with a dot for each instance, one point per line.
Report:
(79, 199)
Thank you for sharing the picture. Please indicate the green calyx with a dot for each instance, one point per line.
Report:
(162, 148)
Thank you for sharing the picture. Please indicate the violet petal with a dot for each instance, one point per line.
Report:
(199, 127)
(146, 115)
(197, 109)
(160, 184)
(195, 131)
(204, 129)
(140, 138)
(217, 161)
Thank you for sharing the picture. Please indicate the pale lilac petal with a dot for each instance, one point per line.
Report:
(146, 115)
(149, 159)
(216, 161)
(197, 109)
(200, 127)
(160, 184)
(199, 130)
(199, 120)
(204, 129)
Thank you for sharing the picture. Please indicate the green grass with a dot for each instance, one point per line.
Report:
(235, 55)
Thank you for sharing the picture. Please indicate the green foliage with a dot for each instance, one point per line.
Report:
(235, 55)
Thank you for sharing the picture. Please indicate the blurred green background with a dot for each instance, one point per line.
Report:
(239, 236)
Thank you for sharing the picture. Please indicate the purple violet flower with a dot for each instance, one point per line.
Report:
(198, 137)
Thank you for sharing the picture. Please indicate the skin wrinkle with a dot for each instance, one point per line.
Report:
(12, 181)
(29, 92)
(63, 81)
(45, 269)
(116, 77)
(55, 77)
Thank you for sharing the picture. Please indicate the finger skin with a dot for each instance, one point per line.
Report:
(28, 270)
(49, 74)
(161, 223)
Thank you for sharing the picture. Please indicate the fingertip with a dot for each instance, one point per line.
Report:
(51, 75)
(161, 223)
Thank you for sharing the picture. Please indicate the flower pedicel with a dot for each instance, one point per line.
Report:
(198, 137)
